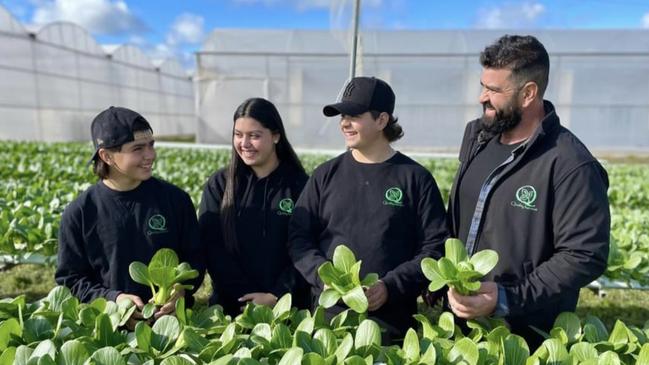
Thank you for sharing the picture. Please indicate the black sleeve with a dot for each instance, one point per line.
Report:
(220, 262)
(73, 269)
(407, 279)
(289, 278)
(304, 228)
(463, 158)
(192, 249)
(581, 226)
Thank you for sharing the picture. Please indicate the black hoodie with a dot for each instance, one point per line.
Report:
(545, 211)
(348, 202)
(103, 231)
(263, 208)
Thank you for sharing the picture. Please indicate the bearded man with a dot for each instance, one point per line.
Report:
(529, 189)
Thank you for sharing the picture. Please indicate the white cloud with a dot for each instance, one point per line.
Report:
(186, 29)
(645, 20)
(510, 16)
(105, 17)
(303, 5)
(532, 11)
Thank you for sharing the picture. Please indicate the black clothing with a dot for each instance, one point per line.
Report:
(545, 211)
(390, 214)
(263, 208)
(103, 231)
(476, 173)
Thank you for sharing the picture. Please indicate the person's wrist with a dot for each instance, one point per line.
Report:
(502, 305)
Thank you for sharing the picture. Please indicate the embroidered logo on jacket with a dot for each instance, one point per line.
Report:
(525, 198)
(393, 196)
(286, 206)
(157, 224)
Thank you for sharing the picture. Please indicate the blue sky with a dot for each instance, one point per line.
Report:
(176, 28)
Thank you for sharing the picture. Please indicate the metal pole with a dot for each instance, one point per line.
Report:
(352, 60)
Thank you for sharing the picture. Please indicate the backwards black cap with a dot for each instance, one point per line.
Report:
(362, 94)
(114, 126)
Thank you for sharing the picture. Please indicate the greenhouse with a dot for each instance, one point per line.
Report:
(53, 81)
(599, 82)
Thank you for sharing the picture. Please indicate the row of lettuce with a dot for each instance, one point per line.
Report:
(61, 330)
(38, 180)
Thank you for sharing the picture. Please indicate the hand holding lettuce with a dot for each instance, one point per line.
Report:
(457, 270)
(342, 281)
(164, 275)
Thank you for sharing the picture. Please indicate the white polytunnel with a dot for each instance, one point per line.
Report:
(55, 80)
(599, 82)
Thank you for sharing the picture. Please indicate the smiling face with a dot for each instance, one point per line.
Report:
(361, 131)
(499, 97)
(254, 143)
(133, 163)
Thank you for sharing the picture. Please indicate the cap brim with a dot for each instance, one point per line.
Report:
(346, 108)
(94, 156)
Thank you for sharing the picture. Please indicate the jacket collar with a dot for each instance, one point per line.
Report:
(548, 124)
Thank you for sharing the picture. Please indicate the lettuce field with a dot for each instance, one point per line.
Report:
(38, 180)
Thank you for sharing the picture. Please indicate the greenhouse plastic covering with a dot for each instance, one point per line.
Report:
(53, 82)
(599, 82)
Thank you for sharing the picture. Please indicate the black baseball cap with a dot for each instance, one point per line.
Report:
(115, 126)
(362, 94)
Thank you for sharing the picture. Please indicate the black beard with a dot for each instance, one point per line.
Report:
(502, 122)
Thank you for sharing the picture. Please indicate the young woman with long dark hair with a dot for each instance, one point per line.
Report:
(245, 210)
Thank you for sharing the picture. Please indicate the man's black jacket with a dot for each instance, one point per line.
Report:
(547, 215)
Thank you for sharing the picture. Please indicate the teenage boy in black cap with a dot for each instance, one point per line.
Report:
(380, 203)
(126, 216)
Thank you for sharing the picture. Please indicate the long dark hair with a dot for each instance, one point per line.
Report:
(267, 115)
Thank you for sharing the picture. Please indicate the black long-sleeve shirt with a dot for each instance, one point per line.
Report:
(390, 214)
(102, 231)
(261, 263)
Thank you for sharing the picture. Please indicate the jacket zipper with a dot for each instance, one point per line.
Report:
(485, 191)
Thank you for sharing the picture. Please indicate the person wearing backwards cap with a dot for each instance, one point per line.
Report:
(381, 204)
(126, 216)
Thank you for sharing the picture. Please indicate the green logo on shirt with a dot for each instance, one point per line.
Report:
(157, 224)
(525, 198)
(393, 196)
(286, 206)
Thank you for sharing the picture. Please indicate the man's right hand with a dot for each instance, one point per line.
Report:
(483, 303)
(137, 315)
